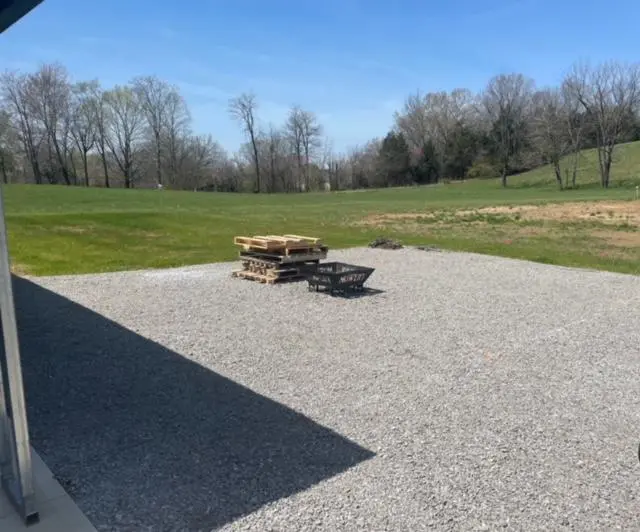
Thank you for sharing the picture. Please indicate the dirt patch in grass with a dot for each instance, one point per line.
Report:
(625, 239)
(480, 229)
(391, 217)
(610, 212)
(417, 222)
(19, 269)
(625, 213)
(72, 229)
(151, 234)
(530, 230)
(381, 220)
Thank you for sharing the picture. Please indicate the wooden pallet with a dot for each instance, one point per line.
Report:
(266, 269)
(265, 266)
(268, 279)
(275, 258)
(285, 252)
(284, 245)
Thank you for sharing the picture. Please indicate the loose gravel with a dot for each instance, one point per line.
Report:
(470, 393)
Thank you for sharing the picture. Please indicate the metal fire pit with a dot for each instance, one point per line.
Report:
(337, 277)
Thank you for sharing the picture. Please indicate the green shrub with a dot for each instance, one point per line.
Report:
(482, 170)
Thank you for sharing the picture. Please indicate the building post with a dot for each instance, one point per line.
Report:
(15, 450)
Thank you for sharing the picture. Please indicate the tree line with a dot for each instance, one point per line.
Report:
(55, 130)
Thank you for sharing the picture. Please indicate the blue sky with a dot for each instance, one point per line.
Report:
(352, 62)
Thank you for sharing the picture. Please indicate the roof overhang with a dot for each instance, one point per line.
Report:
(13, 10)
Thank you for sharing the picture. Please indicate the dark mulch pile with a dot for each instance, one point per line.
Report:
(385, 243)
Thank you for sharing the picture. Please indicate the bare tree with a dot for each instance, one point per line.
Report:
(202, 161)
(506, 101)
(278, 155)
(16, 98)
(557, 124)
(67, 143)
(609, 93)
(8, 145)
(335, 167)
(84, 121)
(176, 128)
(413, 121)
(125, 130)
(436, 119)
(243, 109)
(362, 164)
(304, 134)
(575, 126)
(445, 113)
(154, 95)
(311, 141)
(549, 129)
(49, 91)
(294, 131)
(101, 111)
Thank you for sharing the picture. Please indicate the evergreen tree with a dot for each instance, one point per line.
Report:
(394, 160)
(427, 168)
(460, 153)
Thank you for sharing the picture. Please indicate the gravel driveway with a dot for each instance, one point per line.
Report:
(472, 393)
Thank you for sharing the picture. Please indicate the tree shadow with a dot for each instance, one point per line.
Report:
(145, 439)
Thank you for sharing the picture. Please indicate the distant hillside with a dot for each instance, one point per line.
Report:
(624, 172)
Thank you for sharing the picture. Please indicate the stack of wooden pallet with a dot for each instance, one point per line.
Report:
(275, 258)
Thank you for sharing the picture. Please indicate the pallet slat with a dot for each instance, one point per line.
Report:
(264, 278)
(308, 238)
(296, 258)
(293, 259)
(256, 242)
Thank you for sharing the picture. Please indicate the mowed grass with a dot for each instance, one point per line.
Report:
(625, 171)
(61, 230)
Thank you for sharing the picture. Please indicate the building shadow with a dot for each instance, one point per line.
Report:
(145, 439)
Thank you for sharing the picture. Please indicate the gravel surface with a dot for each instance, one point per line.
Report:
(471, 393)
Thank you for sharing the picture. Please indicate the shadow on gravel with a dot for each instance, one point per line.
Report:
(351, 295)
(144, 439)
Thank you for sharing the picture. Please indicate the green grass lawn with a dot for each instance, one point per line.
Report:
(61, 230)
